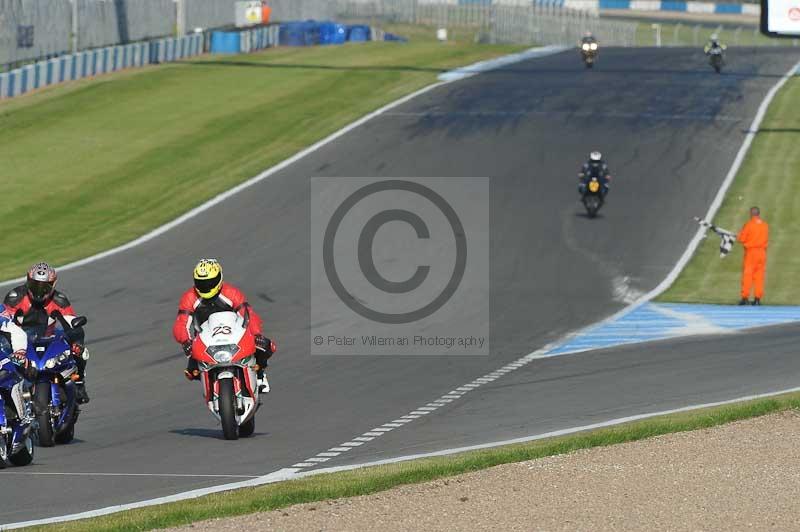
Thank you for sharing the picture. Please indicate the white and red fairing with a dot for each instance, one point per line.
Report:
(221, 330)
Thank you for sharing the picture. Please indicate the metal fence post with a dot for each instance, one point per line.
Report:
(657, 28)
(75, 26)
(180, 17)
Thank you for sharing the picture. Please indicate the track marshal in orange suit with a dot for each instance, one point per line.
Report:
(754, 236)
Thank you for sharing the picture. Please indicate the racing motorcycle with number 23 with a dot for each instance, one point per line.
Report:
(225, 353)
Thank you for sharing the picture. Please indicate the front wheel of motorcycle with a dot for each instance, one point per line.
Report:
(25, 456)
(227, 410)
(41, 399)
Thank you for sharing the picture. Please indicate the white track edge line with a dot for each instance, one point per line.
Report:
(292, 473)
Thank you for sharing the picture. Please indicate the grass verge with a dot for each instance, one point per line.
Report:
(380, 478)
(90, 165)
(770, 179)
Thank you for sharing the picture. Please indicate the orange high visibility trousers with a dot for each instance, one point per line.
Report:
(753, 270)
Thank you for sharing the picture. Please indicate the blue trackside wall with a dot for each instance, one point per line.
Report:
(97, 62)
(679, 6)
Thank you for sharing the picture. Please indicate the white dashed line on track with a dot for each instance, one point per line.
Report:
(429, 408)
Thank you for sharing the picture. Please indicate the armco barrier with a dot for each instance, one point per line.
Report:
(675, 5)
(96, 62)
(259, 38)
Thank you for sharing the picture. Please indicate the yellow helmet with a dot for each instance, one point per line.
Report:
(208, 278)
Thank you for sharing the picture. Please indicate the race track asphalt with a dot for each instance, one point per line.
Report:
(670, 129)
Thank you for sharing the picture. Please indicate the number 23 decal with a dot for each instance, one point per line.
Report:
(221, 329)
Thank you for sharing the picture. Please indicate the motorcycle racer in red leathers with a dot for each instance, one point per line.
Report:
(209, 295)
(37, 299)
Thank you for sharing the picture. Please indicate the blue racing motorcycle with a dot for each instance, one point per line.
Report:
(16, 413)
(55, 401)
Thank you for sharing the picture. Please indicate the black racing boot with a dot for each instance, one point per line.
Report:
(80, 392)
(743, 301)
(757, 302)
(80, 384)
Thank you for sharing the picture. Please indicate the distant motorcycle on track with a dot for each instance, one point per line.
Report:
(593, 196)
(715, 51)
(716, 59)
(589, 51)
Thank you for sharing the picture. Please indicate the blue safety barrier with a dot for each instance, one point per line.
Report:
(393, 37)
(305, 33)
(12, 83)
(615, 4)
(728, 8)
(23, 80)
(358, 33)
(225, 42)
(672, 5)
(52, 72)
(39, 74)
(332, 33)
